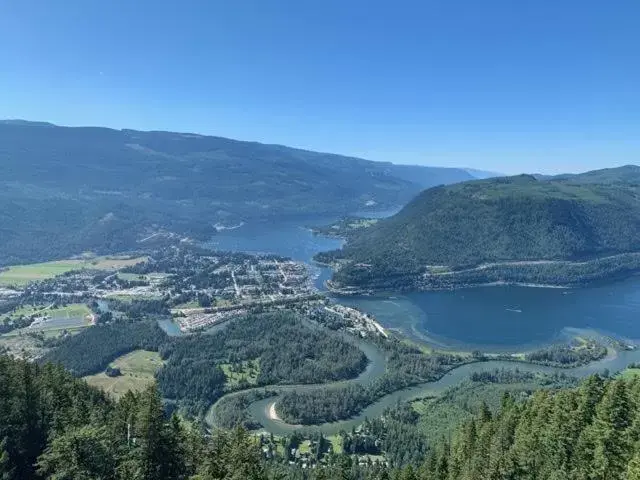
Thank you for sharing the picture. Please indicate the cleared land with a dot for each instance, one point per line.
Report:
(51, 319)
(137, 368)
(629, 373)
(20, 275)
(245, 372)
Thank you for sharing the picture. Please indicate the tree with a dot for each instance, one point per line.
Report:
(6, 472)
(611, 452)
(85, 453)
(633, 469)
(155, 454)
(233, 456)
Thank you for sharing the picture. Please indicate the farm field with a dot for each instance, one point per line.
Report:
(74, 316)
(20, 275)
(138, 370)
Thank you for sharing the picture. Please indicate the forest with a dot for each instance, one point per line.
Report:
(522, 218)
(406, 366)
(93, 190)
(286, 347)
(53, 426)
(567, 355)
(288, 350)
(91, 350)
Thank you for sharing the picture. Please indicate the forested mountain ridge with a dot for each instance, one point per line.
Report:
(65, 190)
(497, 223)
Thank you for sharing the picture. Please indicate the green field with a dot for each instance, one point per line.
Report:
(241, 372)
(138, 371)
(20, 275)
(69, 317)
(629, 373)
(130, 277)
(336, 443)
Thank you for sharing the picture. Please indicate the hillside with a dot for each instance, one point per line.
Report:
(64, 190)
(513, 229)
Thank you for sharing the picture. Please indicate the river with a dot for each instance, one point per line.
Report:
(503, 318)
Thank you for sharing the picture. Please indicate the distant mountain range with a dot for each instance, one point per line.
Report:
(64, 190)
(568, 230)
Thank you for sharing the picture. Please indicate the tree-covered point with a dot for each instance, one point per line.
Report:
(510, 219)
(568, 355)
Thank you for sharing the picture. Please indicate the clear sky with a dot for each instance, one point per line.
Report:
(504, 85)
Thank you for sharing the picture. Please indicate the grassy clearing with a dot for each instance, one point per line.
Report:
(246, 372)
(138, 370)
(629, 373)
(191, 304)
(336, 443)
(222, 302)
(131, 277)
(20, 275)
(305, 447)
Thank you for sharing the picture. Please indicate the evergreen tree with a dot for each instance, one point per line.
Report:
(6, 472)
(611, 453)
(155, 455)
(85, 453)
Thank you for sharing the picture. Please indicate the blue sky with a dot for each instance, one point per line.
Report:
(503, 85)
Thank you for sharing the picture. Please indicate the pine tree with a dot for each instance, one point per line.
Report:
(633, 469)
(6, 471)
(79, 454)
(155, 455)
(613, 418)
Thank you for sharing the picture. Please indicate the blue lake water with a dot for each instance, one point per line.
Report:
(496, 318)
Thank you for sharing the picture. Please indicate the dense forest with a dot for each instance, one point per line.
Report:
(406, 366)
(511, 219)
(287, 349)
(91, 350)
(56, 427)
(53, 426)
(285, 346)
(592, 432)
(68, 190)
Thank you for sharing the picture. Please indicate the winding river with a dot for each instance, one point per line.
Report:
(259, 410)
(489, 319)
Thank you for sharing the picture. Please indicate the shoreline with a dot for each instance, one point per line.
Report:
(352, 291)
(271, 412)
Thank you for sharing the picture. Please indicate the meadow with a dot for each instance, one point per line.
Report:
(138, 369)
(20, 275)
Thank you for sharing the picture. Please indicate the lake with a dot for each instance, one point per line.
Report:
(487, 318)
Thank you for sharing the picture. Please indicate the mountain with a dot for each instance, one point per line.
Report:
(521, 229)
(481, 174)
(64, 190)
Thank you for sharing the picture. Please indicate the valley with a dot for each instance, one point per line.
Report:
(247, 329)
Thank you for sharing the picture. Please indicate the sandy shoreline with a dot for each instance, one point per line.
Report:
(270, 410)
